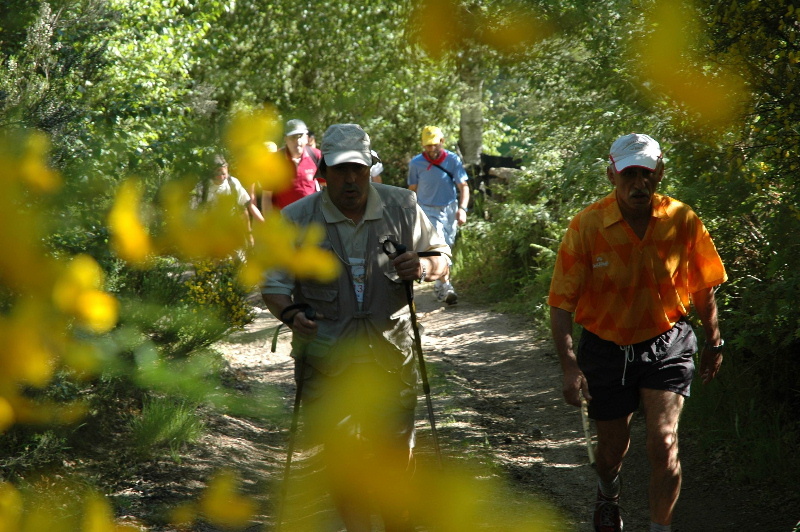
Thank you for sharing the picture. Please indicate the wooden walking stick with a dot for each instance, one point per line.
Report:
(587, 431)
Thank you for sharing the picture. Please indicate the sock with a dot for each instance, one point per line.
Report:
(609, 489)
(655, 527)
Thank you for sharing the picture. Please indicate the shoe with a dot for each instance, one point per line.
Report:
(450, 297)
(446, 293)
(606, 514)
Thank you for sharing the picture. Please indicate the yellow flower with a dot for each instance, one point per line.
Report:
(717, 99)
(97, 515)
(33, 166)
(24, 160)
(7, 419)
(80, 274)
(214, 231)
(27, 268)
(97, 310)
(10, 508)
(431, 36)
(183, 515)
(26, 356)
(252, 160)
(223, 506)
(129, 237)
(77, 292)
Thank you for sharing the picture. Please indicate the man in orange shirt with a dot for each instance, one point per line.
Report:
(628, 268)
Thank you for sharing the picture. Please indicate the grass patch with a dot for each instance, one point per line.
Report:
(166, 424)
(756, 435)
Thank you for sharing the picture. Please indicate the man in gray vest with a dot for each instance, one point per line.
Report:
(355, 357)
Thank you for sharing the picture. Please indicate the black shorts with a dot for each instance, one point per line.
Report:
(661, 363)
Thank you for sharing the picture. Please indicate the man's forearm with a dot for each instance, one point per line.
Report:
(276, 303)
(706, 305)
(561, 329)
(463, 200)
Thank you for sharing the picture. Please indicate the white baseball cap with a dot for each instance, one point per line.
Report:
(346, 143)
(295, 126)
(635, 149)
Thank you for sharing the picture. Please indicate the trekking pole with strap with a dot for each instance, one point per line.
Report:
(311, 315)
(390, 248)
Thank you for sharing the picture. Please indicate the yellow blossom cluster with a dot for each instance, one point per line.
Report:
(509, 32)
(217, 231)
(214, 286)
(252, 161)
(52, 302)
(375, 472)
(666, 55)
(221, 504)
(33, 510)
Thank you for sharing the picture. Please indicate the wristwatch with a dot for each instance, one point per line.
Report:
(463, 208)
(716, 348)
(424, 273)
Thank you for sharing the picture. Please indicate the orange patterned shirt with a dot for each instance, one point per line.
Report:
(628, 290)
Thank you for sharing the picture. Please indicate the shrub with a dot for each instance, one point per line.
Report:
(214, 286)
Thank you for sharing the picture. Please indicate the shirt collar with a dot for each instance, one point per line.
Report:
(373, 210)
(612, 214)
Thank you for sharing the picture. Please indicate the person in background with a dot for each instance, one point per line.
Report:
(355, 356)
(312, 140)
(628, 268)
(440, 181)
(376, 169)
(305, 160)
(221, 183)
(256, 191)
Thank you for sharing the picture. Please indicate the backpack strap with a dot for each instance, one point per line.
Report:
(446, 171)
(314, 157)
(311, 153)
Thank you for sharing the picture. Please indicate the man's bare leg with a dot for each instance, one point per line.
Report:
(613, 440)
(662, 411)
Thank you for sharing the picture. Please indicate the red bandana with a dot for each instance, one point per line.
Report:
(439, 160)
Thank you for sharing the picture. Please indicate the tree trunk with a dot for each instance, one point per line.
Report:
(471, 122)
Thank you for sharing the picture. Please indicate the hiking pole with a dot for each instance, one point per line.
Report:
(310, 314)
(587, 430)
(390, 247)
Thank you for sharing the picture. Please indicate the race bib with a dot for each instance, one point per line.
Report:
(359, 278)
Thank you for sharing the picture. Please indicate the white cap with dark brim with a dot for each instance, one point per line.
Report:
(346, 143)
(635, 149)
(295, 126)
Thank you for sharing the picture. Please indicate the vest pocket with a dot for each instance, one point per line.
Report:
(324, 300)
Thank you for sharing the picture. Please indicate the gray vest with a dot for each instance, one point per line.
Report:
(381, 330)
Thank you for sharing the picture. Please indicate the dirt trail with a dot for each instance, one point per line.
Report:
(496, 394)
